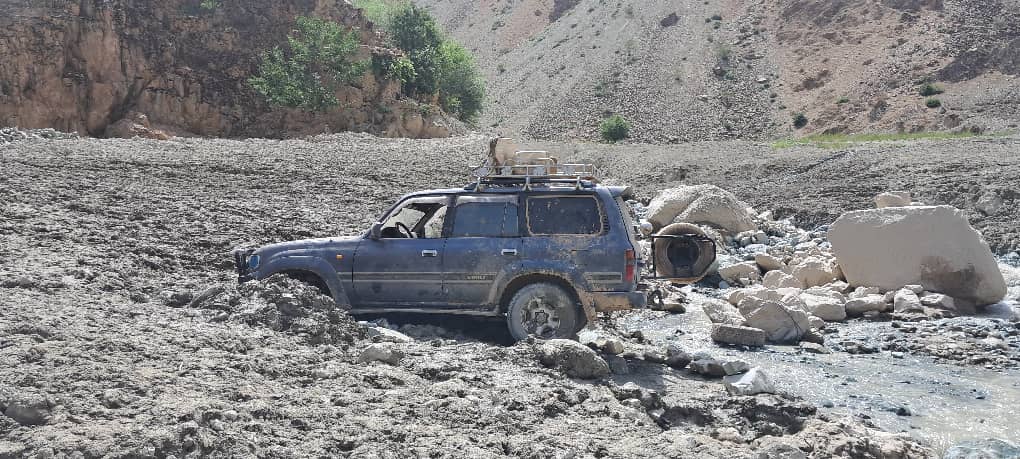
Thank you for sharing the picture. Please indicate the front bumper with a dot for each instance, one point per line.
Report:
(241, 265)
(619, 301)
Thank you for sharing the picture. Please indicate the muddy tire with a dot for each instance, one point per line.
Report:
(665, 253)
(545, 311)
(735, 334)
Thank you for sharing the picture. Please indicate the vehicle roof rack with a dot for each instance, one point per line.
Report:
(534, 167)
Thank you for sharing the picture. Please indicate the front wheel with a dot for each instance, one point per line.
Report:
(544, 311)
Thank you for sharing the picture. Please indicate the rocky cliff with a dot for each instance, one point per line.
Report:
(86, 65)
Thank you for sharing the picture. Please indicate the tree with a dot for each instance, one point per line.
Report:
(414, 31)
(319, 60)
(461, 86)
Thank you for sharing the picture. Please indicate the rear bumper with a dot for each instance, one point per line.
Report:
(619, 301)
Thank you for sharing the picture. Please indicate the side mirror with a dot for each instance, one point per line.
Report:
(376, 232)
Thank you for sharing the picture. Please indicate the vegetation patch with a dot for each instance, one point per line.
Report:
(614, 129)
(837, 141)
(318, 60)
(933, 103)
(930, 89)
(799, 120)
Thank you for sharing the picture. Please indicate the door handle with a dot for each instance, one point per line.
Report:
(429, 253)
(511, 252)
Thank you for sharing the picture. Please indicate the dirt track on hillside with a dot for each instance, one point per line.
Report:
(103, 241)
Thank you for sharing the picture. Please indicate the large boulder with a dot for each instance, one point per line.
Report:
(932, 246)
(736, 334)
(744, 273)
(815, 271)
(751, 383)
(779, 279)
(828, 307)
(721, 312)
(572, 358)
(856, 307)
(781, 324)
(707, 204)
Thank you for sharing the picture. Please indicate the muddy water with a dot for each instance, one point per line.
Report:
(939, 403)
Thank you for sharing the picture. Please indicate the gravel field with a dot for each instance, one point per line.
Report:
(123, 334)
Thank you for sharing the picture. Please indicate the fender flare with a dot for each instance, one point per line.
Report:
(312, 264)
(576, 282)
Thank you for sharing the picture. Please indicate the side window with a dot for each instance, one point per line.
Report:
(564, 215)
(478, 216)
(417, 218)
(434, 225)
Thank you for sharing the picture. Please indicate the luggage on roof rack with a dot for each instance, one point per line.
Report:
(532, 167)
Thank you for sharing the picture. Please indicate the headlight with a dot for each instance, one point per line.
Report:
(253, 262)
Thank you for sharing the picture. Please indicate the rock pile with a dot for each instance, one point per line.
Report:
(13, 134)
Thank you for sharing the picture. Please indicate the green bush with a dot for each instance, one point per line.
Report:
(318, 61)
(933, 103)
(398, 68)
(209, 5)
(381, 12)
(614, 128)
(799, 120)
(930, 89)
(461, 86)
(843, 100)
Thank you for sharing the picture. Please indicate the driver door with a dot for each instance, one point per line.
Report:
(404, 267)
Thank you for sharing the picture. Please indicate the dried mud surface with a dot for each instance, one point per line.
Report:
(123, 334)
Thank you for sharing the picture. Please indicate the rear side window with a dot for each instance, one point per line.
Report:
(564, 215)
(485, 217)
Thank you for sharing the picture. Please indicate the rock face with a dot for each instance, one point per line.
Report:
(83, 66)
(706, 204)
(932, 246)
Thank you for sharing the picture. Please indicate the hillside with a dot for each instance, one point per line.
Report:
(184, 64)
(694, 70)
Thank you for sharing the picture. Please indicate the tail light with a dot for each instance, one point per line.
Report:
(630, 268)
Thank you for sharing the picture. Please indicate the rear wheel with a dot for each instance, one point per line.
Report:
(545, 311)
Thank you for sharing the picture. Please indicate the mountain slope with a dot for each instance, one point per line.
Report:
(693, 70)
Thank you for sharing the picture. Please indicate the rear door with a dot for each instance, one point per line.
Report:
(404, 267)
(484, 237)
(571, 230)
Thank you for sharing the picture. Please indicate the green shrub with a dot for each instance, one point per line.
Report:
(318, 61)
(381, 12)
(799, 120)
(933, 103)
(614, 128)
(930, 89)
(395, 68)
(843, 100)
(461, 86)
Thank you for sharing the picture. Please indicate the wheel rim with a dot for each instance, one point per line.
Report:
(540, 318)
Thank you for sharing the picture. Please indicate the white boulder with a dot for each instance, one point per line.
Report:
(706, 204)
(826, 307)
(780, 323)
(572, 358)
(856, 307)
(721, 312)
(931, 246)
(907, 301)
(939, 301)
(779, 279)
(815, 271)
(751, 383)
(768, 262)
(740, 273)
(893, 199)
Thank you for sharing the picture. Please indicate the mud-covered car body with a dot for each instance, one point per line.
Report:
(468, 250)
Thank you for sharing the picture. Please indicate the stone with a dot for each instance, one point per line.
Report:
(729, 434)
(917, 289)
(721, 312)
(717, 369)
(653, 357)
(906, 301)
(892, 199)
(768, 262)
(857, 307)
(861, 292)
(989, 203)
(826, 307)
(610, 346)
(816, 322)
(706, 204)
(28, 411)
(931, 246)
(815, 271)
(383, 352)
(939, 301)
(779, 279)
(751, 383)
(735, 334)
(572, 358)
(740, 273)
(676, 357)
(814, 348)
(989, 448)
(617, 365)
(383, 334)
(781, 324)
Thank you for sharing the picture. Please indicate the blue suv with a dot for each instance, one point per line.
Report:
(546, 253)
